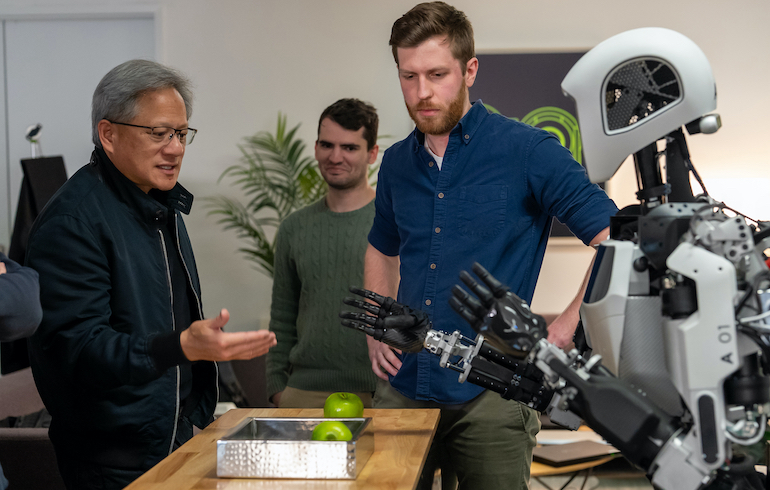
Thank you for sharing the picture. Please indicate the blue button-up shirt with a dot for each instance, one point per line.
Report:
(500, 183)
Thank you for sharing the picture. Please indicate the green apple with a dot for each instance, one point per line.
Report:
(343, 406)
(331, 430)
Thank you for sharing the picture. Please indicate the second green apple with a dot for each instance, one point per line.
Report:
(343, 406)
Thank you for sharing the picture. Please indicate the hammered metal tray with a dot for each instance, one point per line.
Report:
(282, 448)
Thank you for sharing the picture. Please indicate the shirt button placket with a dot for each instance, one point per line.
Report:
(440, 204)
(433, 264)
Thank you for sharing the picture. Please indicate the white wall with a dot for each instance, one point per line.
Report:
(250, 59)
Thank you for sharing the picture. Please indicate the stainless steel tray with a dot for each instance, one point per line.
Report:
(282, 448)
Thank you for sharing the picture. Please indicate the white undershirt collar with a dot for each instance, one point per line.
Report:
(439, 160)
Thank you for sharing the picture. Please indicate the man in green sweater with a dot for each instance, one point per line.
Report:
(319, 254)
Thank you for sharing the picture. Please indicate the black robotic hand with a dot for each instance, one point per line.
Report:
(387, 321)
(503, 318)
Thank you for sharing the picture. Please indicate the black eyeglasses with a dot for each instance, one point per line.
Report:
(164, 134)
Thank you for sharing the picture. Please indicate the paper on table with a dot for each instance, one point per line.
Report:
(567, 436)
(572, 453)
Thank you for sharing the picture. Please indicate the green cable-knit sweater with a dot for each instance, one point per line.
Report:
(319, 254)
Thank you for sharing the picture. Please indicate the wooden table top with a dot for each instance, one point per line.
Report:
(401, 442)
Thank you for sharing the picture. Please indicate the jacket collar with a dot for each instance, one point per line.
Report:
(151, 206)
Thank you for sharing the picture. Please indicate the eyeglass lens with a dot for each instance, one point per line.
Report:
(164, 134)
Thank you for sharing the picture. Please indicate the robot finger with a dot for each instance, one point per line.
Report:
(377, 298)
(362, 305)
(358, 326)
(391, 307)
(359, 317)
(483, 293)
(497, 288)
(464, 312)
(471, 303)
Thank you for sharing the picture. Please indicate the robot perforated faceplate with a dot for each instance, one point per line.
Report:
(633, 89)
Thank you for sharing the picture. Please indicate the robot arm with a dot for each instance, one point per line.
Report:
(478, 361)
(620, 414)
(567, 386)
(541, 376)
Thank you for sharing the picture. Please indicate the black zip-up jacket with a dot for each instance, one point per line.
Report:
(106, 356)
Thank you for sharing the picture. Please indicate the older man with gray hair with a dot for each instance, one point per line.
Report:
(123, 356)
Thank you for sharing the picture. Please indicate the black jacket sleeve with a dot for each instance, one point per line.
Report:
(20, 311)
(76, 333)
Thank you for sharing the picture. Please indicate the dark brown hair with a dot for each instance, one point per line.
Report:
(354, 114)
(431, 19)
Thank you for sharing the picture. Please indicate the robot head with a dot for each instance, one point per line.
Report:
(633, 89)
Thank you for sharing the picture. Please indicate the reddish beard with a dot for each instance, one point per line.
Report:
(447, 118)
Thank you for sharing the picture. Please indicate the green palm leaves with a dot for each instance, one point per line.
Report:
(277, 180)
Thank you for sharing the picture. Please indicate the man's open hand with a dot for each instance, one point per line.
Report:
(205, 341)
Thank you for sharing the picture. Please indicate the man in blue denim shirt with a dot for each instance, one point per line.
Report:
(466, 186)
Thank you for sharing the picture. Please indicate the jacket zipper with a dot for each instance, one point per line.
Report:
(173, 326)
(195, 293)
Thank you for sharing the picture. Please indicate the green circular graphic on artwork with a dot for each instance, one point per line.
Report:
(558, 122)
(565, 128)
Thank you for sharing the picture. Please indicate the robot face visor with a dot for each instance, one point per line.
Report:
(636, 90)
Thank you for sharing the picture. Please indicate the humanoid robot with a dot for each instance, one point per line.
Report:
(672, 365)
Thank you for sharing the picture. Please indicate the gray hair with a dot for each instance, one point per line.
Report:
(117, 95)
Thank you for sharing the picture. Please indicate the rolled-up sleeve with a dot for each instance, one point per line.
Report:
(384, 233)
(581, 205)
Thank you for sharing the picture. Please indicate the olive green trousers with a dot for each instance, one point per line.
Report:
(484, 444)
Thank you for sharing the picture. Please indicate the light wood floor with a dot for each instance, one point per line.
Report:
(593, 482)
(616, 475)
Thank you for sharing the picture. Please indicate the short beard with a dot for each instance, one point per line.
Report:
(443, 124)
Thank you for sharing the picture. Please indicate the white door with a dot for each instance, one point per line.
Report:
(51, 68)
